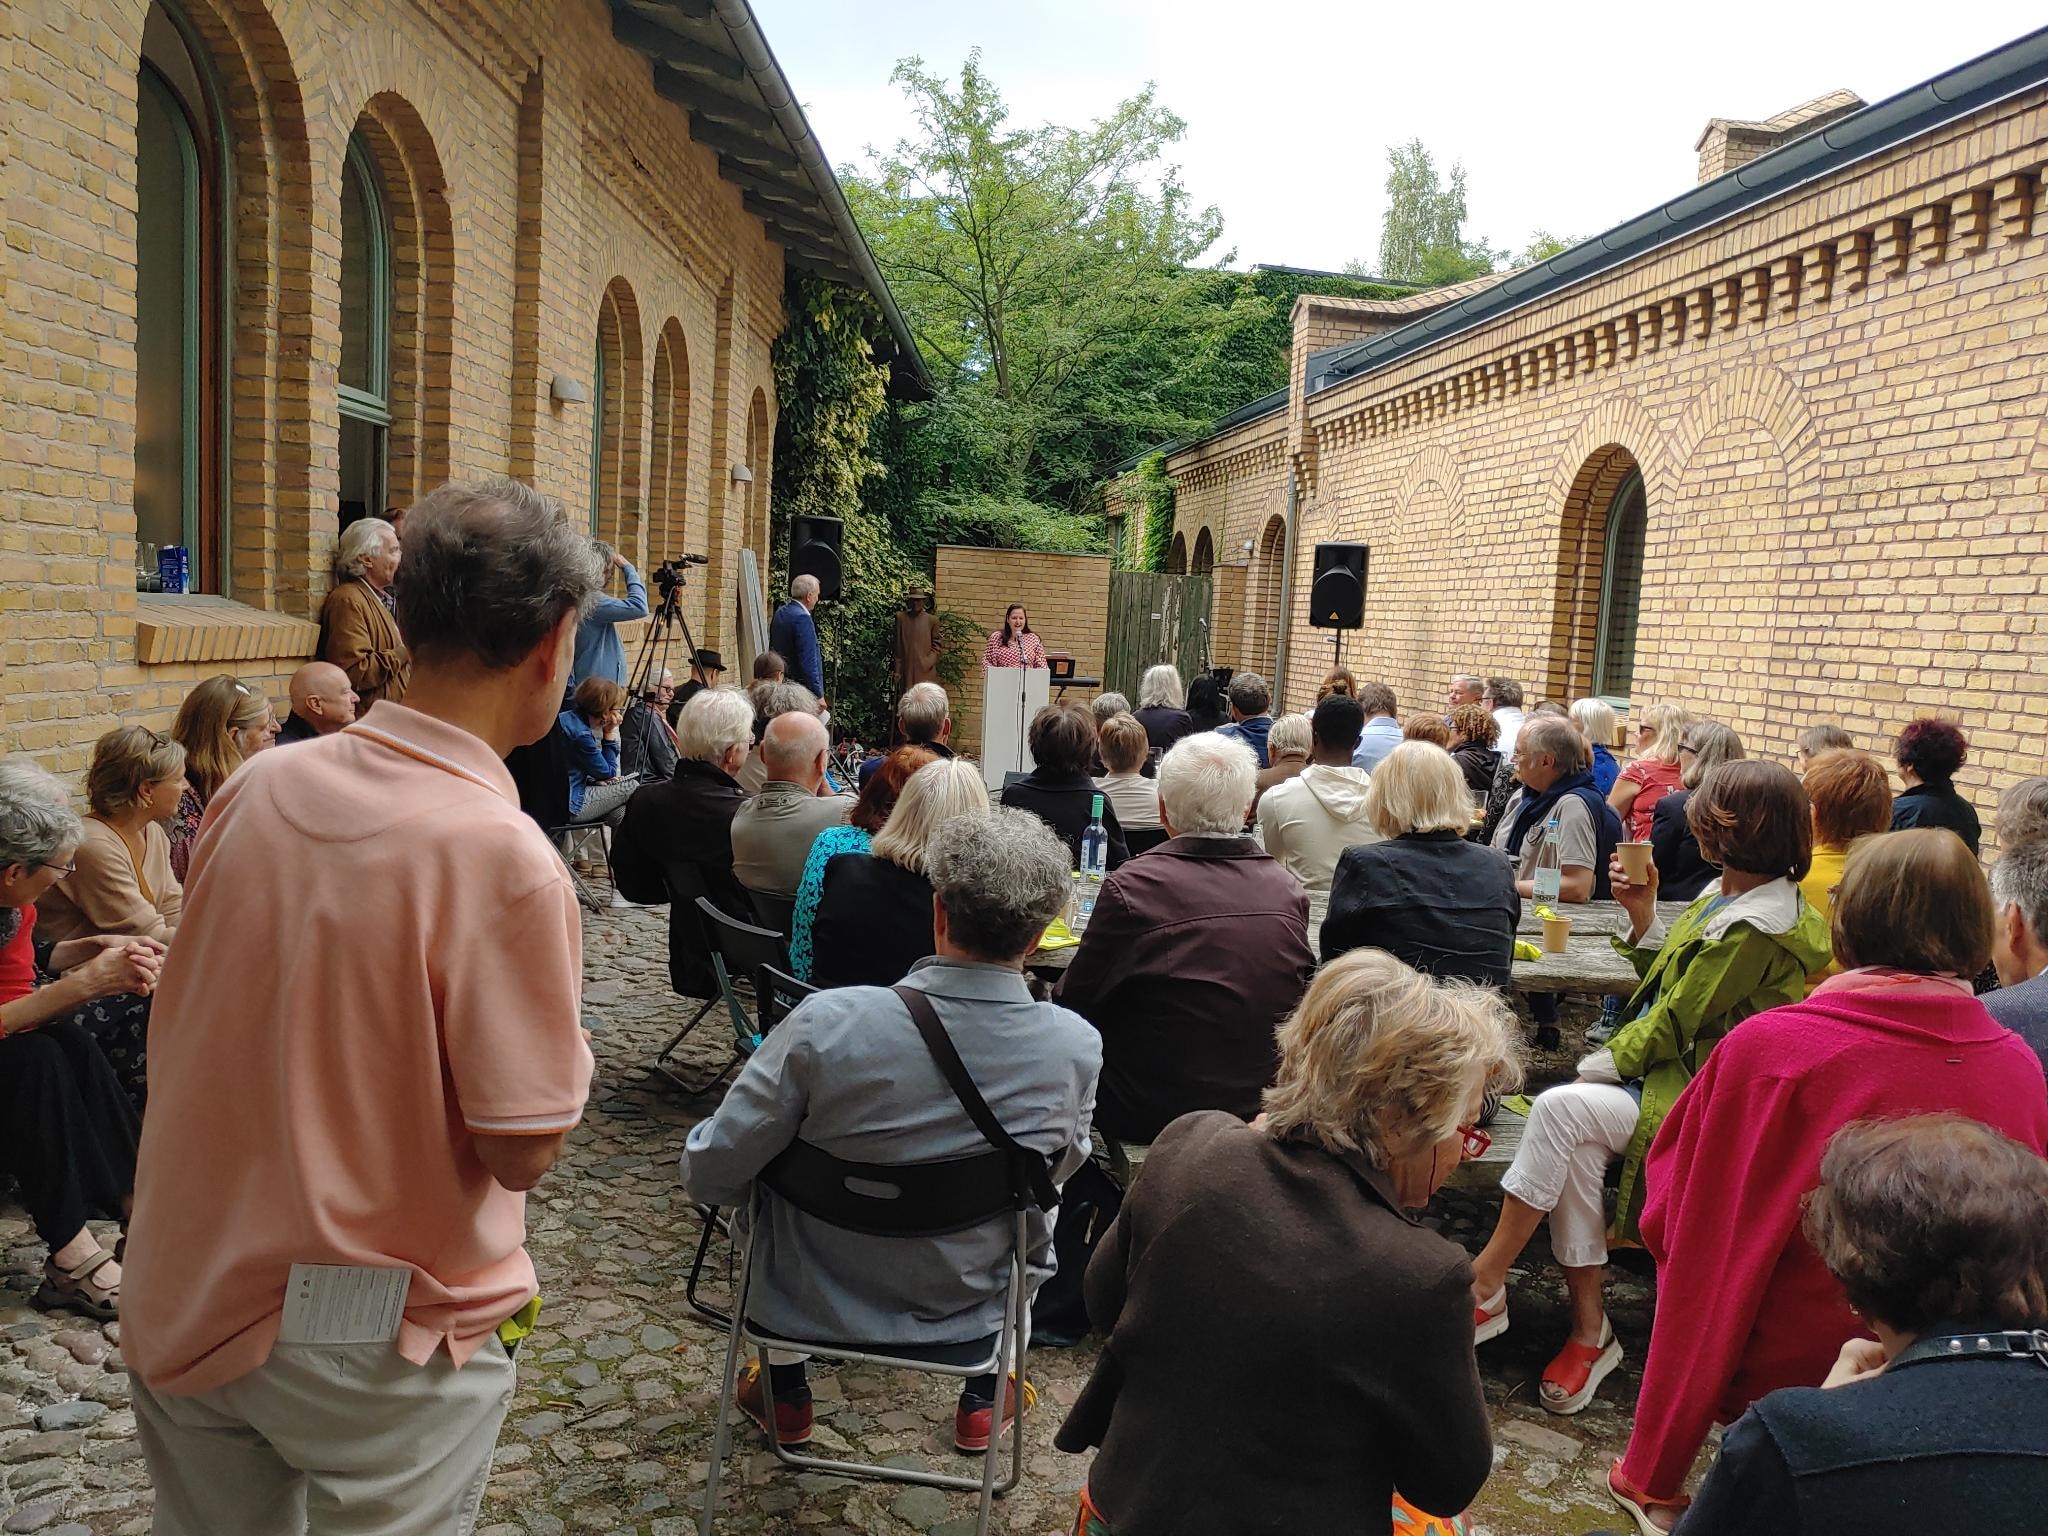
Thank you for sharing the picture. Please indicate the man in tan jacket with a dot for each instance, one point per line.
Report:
(357, 631)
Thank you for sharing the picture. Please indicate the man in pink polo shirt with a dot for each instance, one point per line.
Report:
(365, 1048)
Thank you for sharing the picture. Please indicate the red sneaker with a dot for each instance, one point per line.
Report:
(792, 1413)
(974, 1417)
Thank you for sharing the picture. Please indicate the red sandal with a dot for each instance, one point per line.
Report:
(1639, 1504)
(1571, 1379)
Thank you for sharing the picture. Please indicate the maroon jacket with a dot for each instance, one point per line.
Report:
(1194, 956)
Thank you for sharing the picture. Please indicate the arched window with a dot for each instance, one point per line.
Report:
(1204, 559)
(604, 388)
(365, 383)
(1621, 589)
(180, 174)
(668, 467)
(616, 417)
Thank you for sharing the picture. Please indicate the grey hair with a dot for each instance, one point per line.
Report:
(1250, 694)
(714, 722)
(36, 819)
(1206, 784)
(1712, 744)
(1290, 733)
(924, 710)
(2020, 879)
(1161, 688)
(358, 541)
(491, 567)
(1001, 878)
(1556, 736)
(1107, 706)
(773, 699)
(932, 796)
(801, 587)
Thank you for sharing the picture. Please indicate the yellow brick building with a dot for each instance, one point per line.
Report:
(1777, 450)
(269, 266)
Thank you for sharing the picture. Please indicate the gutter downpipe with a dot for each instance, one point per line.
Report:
(1286, 616)
(738, 19)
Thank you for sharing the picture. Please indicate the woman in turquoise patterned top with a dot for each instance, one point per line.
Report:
(876, 801)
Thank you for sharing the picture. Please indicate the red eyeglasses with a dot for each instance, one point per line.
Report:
(1476, 1142)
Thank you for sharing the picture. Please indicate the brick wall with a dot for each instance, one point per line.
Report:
(535, 179)
(1066, 598)
(1835, 402)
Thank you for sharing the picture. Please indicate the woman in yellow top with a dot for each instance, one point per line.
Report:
(1851, 798)
(120, 880)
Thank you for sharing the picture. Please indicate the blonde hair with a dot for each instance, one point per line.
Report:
(1418, 787)
(1382, 1060)
(126, 759)
(933, 796)
(206, 726)
(1290, 733)
(1124, 744)
(1596, 718)
(1666, 724)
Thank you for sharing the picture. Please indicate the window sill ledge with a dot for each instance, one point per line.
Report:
(200, 628)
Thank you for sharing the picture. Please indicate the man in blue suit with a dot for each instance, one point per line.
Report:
(793, 635)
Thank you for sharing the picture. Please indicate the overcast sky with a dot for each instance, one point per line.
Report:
(1568, 116)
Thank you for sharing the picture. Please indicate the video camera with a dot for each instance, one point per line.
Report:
(669, 574)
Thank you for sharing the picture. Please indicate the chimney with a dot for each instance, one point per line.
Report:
(1727, 143)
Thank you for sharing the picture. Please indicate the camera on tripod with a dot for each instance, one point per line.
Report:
(669, 574)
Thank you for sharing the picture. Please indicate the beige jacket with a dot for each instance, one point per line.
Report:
(358, 634)
(107, 894)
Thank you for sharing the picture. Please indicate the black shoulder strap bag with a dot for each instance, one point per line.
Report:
(1030, 1179)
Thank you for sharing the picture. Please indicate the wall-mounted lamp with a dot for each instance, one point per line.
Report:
(567, 391)
(1247, 546)
(741, 475)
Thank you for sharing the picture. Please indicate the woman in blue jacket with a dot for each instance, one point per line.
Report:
(591, 724)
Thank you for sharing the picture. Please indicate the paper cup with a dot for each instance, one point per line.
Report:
(1635, 862)
(1556, 931)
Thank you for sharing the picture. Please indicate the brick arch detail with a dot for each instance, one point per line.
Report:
(760, 460)
(1767, 397)
(1177, 555)
(668, 470)
(618, 513)
(1435, 463)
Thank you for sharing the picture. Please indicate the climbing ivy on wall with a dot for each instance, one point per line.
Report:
(1155, 492)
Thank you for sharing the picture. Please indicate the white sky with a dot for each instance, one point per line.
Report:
(1569, 116)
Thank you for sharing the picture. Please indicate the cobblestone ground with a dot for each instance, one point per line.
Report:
(612, 1420)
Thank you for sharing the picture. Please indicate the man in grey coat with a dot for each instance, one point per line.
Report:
(2019, 890)
(773, 832)
(849, 1074)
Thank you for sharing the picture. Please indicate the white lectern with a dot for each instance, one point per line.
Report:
(1010, 696)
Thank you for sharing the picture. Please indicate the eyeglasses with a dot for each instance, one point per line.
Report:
(1476, 1142)
(64, 871)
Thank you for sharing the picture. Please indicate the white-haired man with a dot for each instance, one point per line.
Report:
(924, 718)
(358, 631)
(793, 635)
(1194, 954)
(772, 833)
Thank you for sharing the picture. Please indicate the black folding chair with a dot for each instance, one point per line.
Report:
(773, 911)
(685, 884)
(1143, 839)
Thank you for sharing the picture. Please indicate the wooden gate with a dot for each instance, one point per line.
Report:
(1155, 617)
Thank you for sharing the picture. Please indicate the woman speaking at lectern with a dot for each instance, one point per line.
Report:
(1014, 645)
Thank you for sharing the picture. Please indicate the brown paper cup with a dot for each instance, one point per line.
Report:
(1556, 930)
(1635, 862)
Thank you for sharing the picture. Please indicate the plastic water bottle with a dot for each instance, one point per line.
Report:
(1550, 863)
(1094, 865)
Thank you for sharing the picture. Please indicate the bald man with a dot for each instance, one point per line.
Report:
(322, 702)
(773, 832)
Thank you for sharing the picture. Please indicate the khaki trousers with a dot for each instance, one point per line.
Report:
(329, 1440)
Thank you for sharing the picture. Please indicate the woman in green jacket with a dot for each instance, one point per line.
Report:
(1743, 947)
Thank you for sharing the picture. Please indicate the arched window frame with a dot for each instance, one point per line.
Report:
(601, 386)
(1618, 509)
(372, 406)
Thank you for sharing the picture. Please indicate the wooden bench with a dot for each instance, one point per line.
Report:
(1485, 1172)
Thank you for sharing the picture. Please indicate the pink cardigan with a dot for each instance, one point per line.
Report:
(1744, 1305)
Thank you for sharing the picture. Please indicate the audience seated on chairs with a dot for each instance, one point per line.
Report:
(1287, 755)
(592, 722)
(2019, 890)
(1292, 1240)
(848, 1074)
(871, 811)
(67, 1131)
(1653, 773)
(1596, 721)
(1434, 729)
(1683, 871)
(1194, 954)
(1425, 895)
(1816, 739)
(1744, 1304)
(874, 914)
(1162, 708)
(1250, 698)
(1124, 785)
(1852, 799)
(1058, 790)
(1308, 822)
(924, 718)
(120, 880)
(1928, 753)
(771, 701)
(647, 742)
(323, 701)
(1556, 780)
(688, 822)
(1382, 732)
(1473, 734)
(1922, 1221)
(222, 721)
(1732, 954)
(773, 832)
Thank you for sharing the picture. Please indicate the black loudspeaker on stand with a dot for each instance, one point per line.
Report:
(1336, 596)
(814, 551)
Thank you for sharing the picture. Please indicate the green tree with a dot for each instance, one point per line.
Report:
(1542, 246)
(1423, 213)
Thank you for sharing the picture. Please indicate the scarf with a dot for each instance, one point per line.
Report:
(1606, 824)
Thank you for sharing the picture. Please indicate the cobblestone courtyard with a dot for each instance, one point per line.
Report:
(612, 1420)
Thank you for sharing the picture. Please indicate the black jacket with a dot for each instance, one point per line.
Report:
(1944, 1445)
(645, 747)
(295, 728)
(1233, 1253)
(1164, 726)
(1065, 805)
(683, 824)
(1682, 870)
(1431, 900)
(1936, 805)
(874, 923)
(1479, 765)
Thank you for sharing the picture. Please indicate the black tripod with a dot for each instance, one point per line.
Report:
(653, 659)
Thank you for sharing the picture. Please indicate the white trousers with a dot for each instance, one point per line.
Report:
(1575, 1131)
(329, 1440)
